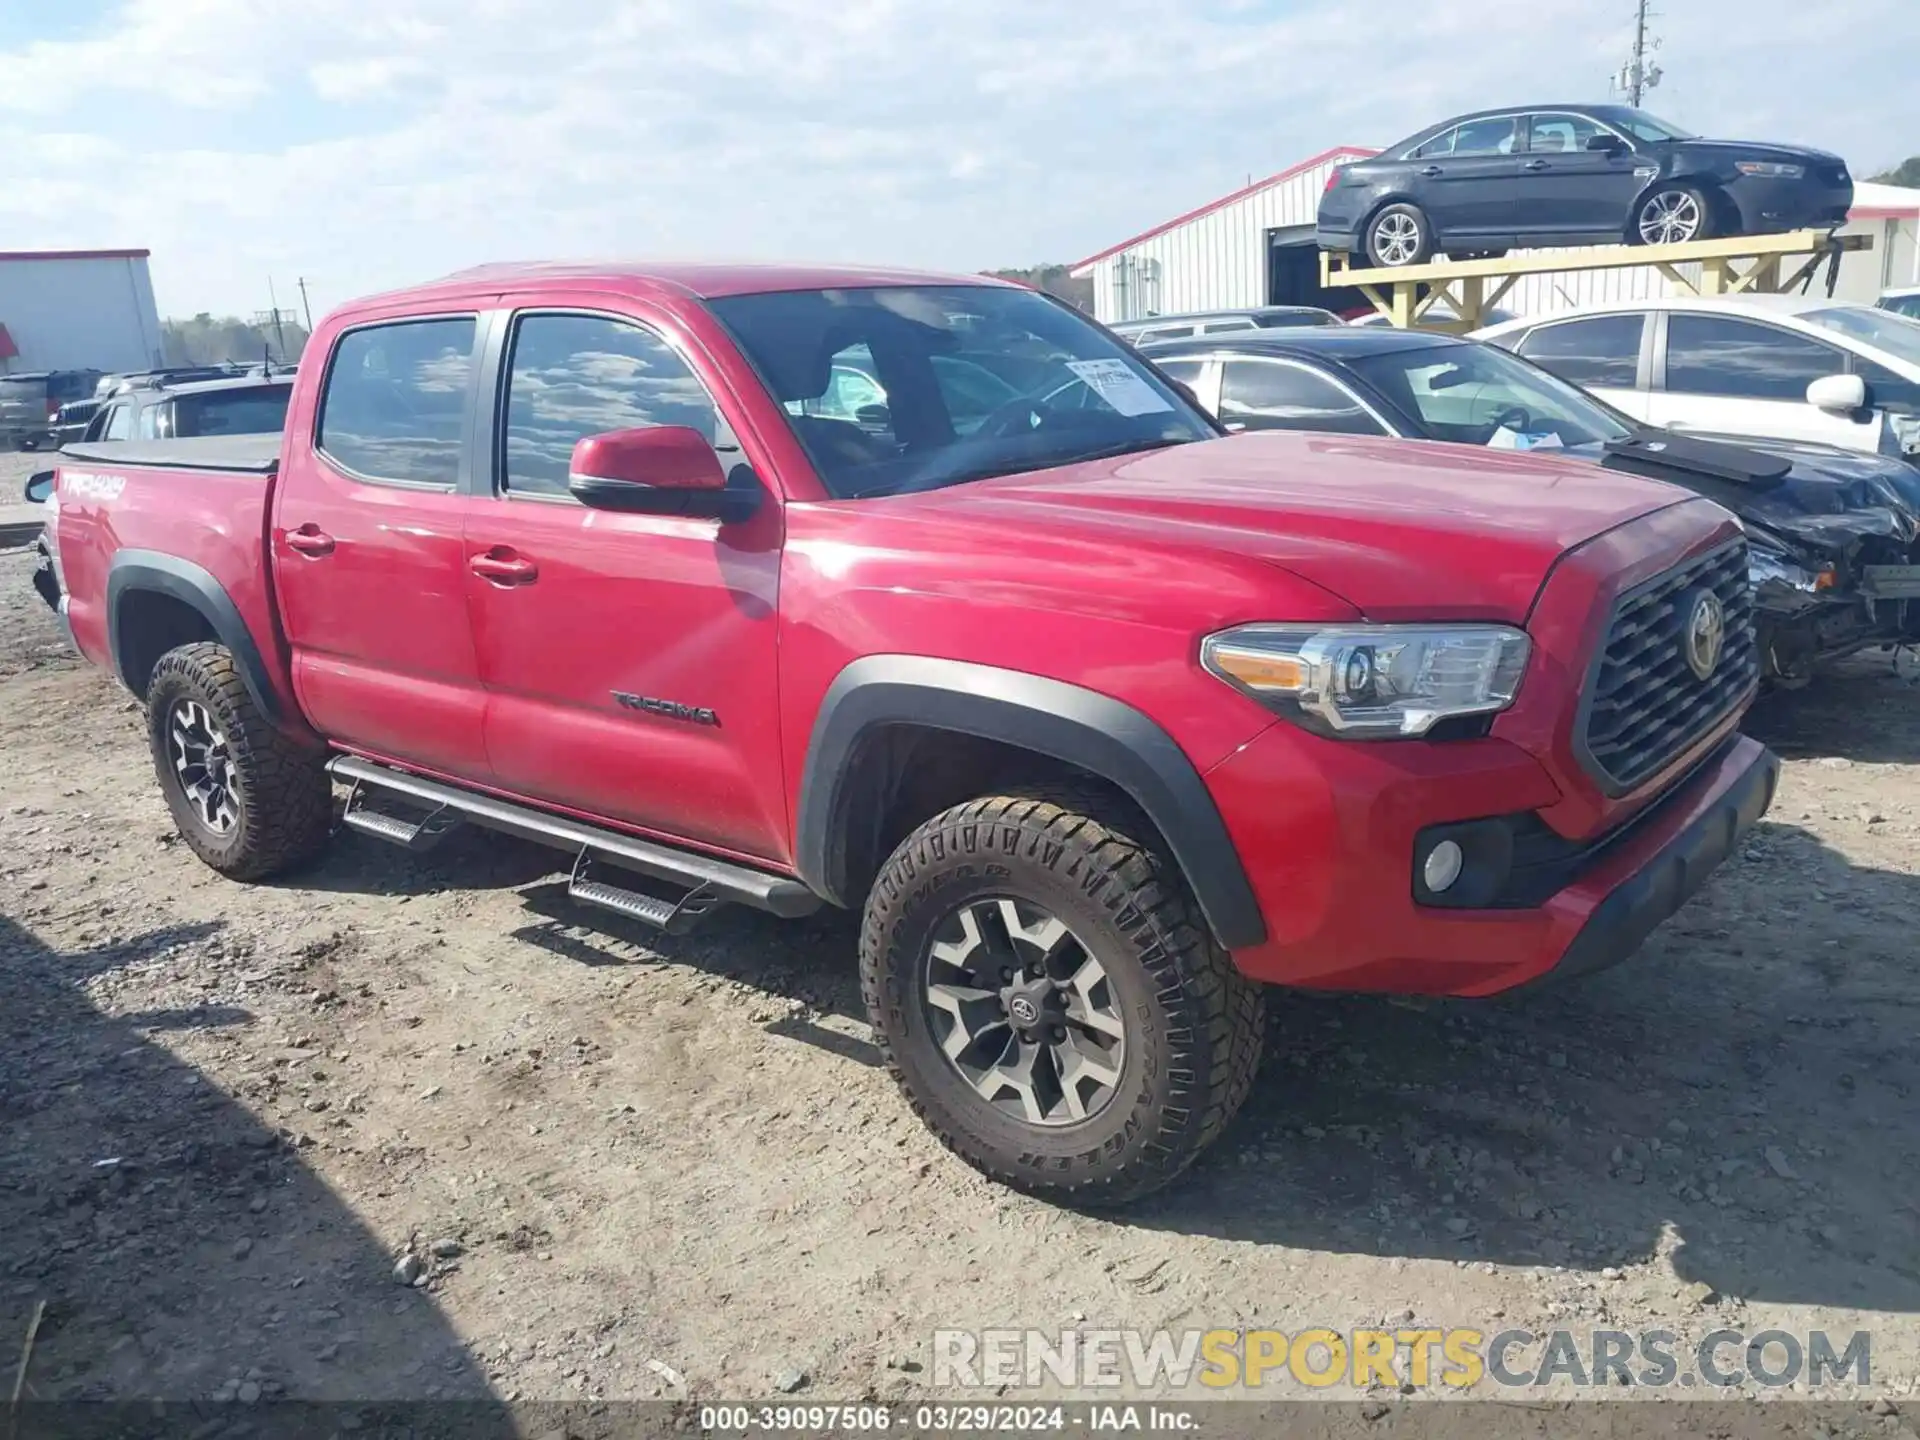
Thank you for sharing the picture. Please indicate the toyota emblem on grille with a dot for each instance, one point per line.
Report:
(1705, 635)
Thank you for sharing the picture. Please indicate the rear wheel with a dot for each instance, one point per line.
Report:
(1050, 1000)
(1399, 235)
(1672, 215)
(247, 800)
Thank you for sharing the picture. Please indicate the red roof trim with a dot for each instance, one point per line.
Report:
(1357, 152)
(1882, 212)
(75, 255)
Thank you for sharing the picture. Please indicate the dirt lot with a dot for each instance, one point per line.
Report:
(631, 1166)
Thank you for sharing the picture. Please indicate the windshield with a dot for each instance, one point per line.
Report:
(258, 411)
(903, 388)
(1882, 329)
(1643, 126)
(1481, 395)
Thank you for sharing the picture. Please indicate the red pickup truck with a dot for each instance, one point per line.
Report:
(788, 587)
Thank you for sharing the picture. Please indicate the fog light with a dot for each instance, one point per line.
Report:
(1442, 867)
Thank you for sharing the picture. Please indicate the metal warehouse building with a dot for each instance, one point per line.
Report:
(1255, 247)
(77, 310)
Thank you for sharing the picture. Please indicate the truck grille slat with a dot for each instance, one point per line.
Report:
(1645, 706)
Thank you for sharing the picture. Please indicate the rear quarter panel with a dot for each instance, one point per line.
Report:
(215, 520)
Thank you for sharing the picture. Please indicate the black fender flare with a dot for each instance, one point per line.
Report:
(1097, 733)
(135, 572)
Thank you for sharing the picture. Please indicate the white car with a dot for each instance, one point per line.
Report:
(1794, 367)
(1902, 302)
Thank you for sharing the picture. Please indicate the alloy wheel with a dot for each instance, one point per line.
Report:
(1396, 238)
(1670, 218)
(204, 764)
(1025, 1012)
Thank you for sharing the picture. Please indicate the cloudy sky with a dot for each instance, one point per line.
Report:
(367, 143)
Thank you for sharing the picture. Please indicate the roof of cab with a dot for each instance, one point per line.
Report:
(693, 279)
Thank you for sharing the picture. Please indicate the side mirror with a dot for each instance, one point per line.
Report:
(655, 470)
(1838, 394)
(873, 417)
(1611, 144)
(39, 487)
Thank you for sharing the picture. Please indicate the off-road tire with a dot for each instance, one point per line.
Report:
(282, 794)
(1195, 1024)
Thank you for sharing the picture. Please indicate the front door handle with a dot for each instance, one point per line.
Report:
(502, 566)
(1430, 171)
(1536, 165)
(310, 540)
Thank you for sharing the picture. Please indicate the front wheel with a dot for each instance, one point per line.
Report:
(247, 800)
(1050, 1000)
(1672, 215)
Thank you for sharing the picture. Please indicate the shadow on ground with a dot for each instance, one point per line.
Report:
(1739, 1097)
(179, 1246)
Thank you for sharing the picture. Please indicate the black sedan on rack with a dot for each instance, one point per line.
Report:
(1833, 535)
(1535, 175)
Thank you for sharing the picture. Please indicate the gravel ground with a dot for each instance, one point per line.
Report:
(613, 1164)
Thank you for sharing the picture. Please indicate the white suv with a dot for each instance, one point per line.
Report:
(1789, 366)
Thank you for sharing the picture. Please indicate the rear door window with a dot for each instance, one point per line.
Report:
(395, 403)
(1711, 355)
(1603, 350)
(1274, 395)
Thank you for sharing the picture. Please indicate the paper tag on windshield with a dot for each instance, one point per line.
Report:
(1507, 439)
(1114, 383)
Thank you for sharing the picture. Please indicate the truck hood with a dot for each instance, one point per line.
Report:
(1399, 529)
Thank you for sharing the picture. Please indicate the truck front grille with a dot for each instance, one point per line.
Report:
(1646, 705)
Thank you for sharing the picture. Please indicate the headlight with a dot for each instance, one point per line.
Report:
(1772, 169)
(1371, 682)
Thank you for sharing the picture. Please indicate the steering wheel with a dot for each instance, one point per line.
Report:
(1013, 418)
(1514, 417)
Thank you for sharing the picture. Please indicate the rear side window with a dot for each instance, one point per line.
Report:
(1707, 355)
(395, 402)
(578, 375)
(230, 412)
(118, 424)
(1264, 395)
(1602, 351)
(1476, 137)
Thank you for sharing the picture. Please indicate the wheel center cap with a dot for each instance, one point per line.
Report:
(1028, 1002)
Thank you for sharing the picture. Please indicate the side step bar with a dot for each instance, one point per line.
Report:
(708, 880)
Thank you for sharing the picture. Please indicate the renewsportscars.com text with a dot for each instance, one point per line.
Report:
(1458, 1359)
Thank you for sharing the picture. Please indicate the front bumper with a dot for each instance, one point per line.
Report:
(1708, 830)
(1768, 206)
(1332, 864)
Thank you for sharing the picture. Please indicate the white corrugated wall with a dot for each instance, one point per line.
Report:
(1217, 260)
(79, 311)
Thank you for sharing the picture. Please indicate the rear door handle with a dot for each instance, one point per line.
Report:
(310, 540)
(502, 566)
(1536, 165)
(1430, 171)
